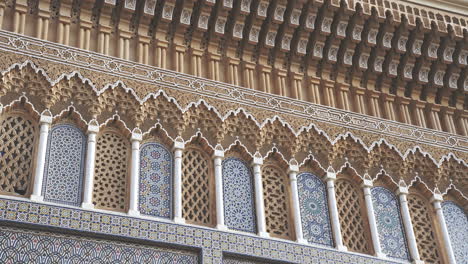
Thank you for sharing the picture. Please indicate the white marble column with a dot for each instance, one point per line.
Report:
(45, 121)
(405, 215)
(218, 156)
(93, 129)
(259, 203)
(135, 174)
(436, 202)
(293, 170)
(179, 146)
(366, 187)
(332, 206)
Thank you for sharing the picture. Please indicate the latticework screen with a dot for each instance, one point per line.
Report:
(17, 141)
(423, 231)
(275, 194)
(353, 227)
(110, 176)
(198, 195)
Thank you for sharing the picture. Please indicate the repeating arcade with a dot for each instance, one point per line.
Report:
(292, 207)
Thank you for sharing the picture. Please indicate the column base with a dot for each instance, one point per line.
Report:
(381, 255)
(36, 198)
(264, 234)
(342, 248)
(302, 241)
(133, 213)
(88, 206)
(179, 220)
(417, 262)
(222, 227)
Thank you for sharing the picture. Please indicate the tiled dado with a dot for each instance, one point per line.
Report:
(212, 243)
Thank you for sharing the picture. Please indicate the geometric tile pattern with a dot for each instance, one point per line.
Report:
(314, 209)
(20, 246)
(155, 180)
(64, 165)
(16, 153)
(387, 214)
(239, 205)
(457, 225)
(213, 243)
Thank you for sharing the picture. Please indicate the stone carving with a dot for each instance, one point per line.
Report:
(110, 173)
(185, 16)
(220, 23)
(197, 191)
(17, 144)
(286, 42)
(262, 8)
(423, 230)
(270, 39)
(168, 11)
(310, 21)
(275, 195)
(350, 204)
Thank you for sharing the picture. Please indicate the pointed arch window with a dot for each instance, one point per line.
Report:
(314, 209)
(156, 166)
(64, 166)
(457, 225)
(239, 207)
(18, 137)
(389, 223)
(424, 232)
(352, 217)
(277, 204)
(110, 174)
(198, 201)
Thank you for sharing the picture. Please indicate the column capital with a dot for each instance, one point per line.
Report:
(402, 190)
(93, 127)
(136, 137)
(45, 119)
(293, 168)
(330, 176)
(437, 197)
(179, 144)
(257, 160)
(218, 152)
(366, 183)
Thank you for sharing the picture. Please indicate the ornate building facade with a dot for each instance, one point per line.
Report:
(221, 131)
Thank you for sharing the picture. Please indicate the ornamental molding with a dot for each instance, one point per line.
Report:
(266, 112)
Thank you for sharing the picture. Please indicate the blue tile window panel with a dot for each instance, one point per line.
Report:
(156, 166)
(314, 209)
(238, 191)
(389, 223)
(64, 168)
(457, 225)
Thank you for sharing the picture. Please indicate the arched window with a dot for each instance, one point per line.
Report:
(155, 180)
(423, 229)
(353, 219)
(198, 200)
(277, 205)
(314, 209)
(457, 225)
(239, 206)
(17, 147)
(110, 174)
(64, 165)
(391, 231)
